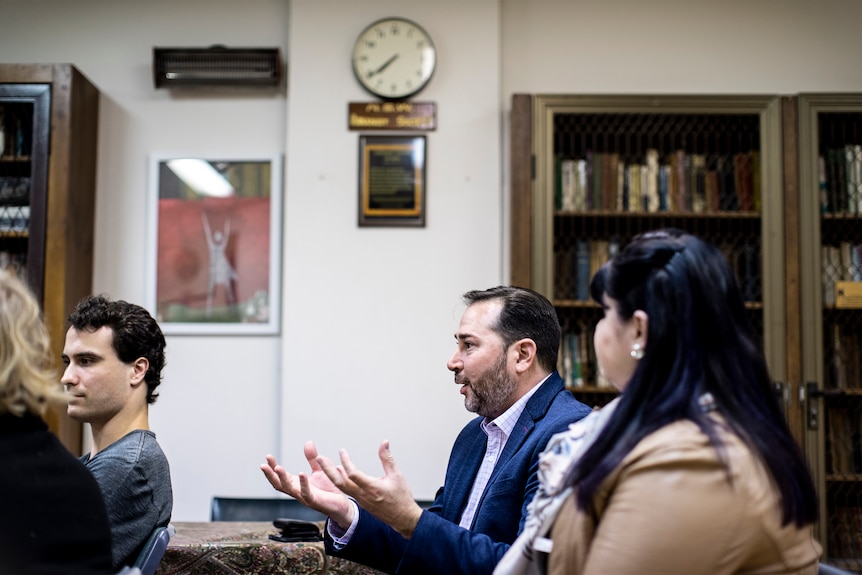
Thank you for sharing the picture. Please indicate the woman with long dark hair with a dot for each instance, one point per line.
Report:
(693, 468)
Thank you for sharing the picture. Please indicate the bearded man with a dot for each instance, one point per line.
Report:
(505, 362)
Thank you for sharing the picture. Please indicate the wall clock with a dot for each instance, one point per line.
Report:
(394, 58)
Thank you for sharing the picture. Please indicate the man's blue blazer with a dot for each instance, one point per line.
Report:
(438, 544)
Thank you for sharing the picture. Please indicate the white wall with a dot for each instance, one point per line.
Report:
(680, 46)
(219, 405)
(368, 313)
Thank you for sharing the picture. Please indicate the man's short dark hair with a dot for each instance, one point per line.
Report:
(525, 314)
(135, 333)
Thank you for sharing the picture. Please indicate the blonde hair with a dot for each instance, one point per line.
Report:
(28, 382)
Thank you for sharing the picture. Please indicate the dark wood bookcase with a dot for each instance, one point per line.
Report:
(49, 117)
(774, 230)
(830, 218)
(643, 163)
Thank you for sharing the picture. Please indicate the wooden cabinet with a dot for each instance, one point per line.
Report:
(830, 223)
(590, 172)
(795, 239)
(49, 117)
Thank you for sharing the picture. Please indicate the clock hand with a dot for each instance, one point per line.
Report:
(383, 66)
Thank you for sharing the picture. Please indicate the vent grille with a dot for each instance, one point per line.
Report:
(216, 66)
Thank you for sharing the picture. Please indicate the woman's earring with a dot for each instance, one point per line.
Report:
(637, 352)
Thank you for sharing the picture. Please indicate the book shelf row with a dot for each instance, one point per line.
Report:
(677, 182)
(575, 265)
(840, 180)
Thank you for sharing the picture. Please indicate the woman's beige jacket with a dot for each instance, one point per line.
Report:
(669, 508)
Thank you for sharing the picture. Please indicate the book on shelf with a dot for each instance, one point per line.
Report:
(672, 183)
(598, 177)
(564, 362)
(848, 267)
(567, 184)
(635, 203)
(853, 178)
(565, 273)
(710, 186)
(570, 362)
(558, 182)
(582, 270)
(620, 200)
(581, 185)
(588, 189)
(599, 254)
(727, 197)
(663, 187)
(609, 181)
(856, 261)
(585, 341)
(743, 181)
(821, 184)
(683, 168)
(836, 180)
(653, 202)
(698, 184)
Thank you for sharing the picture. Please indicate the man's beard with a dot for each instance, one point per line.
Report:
(491, 390)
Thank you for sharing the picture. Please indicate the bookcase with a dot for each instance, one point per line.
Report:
(604, 168)
(49, 124)
(830, 169)
(775, 181)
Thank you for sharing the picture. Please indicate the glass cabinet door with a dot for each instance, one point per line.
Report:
(24, 133)
(831, 200)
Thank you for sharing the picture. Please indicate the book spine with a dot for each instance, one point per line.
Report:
(652, 185)
(582, 254)
(567, 184)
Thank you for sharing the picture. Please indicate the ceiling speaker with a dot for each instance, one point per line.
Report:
(216, 66)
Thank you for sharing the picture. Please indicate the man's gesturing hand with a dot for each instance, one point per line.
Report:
(388, 497)
(315, 490)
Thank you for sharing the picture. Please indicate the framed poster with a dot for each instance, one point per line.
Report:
(392, 181)
(215, 244)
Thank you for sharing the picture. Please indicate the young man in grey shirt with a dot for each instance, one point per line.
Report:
(114, 354)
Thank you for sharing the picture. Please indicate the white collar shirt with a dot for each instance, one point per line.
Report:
(498, 431)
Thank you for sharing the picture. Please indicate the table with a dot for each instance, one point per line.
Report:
(244, 548)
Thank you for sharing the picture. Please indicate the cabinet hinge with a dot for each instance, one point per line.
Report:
(533, 167)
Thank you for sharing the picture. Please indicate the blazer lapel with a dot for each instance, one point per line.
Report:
(533, 411)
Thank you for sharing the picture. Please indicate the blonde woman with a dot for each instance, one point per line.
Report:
(52, 517)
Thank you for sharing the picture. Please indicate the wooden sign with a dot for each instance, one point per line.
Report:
(392, 116)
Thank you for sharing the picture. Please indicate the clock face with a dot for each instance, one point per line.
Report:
(394, 58)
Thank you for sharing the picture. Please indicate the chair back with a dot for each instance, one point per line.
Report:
(151, 555)
(251, 509)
